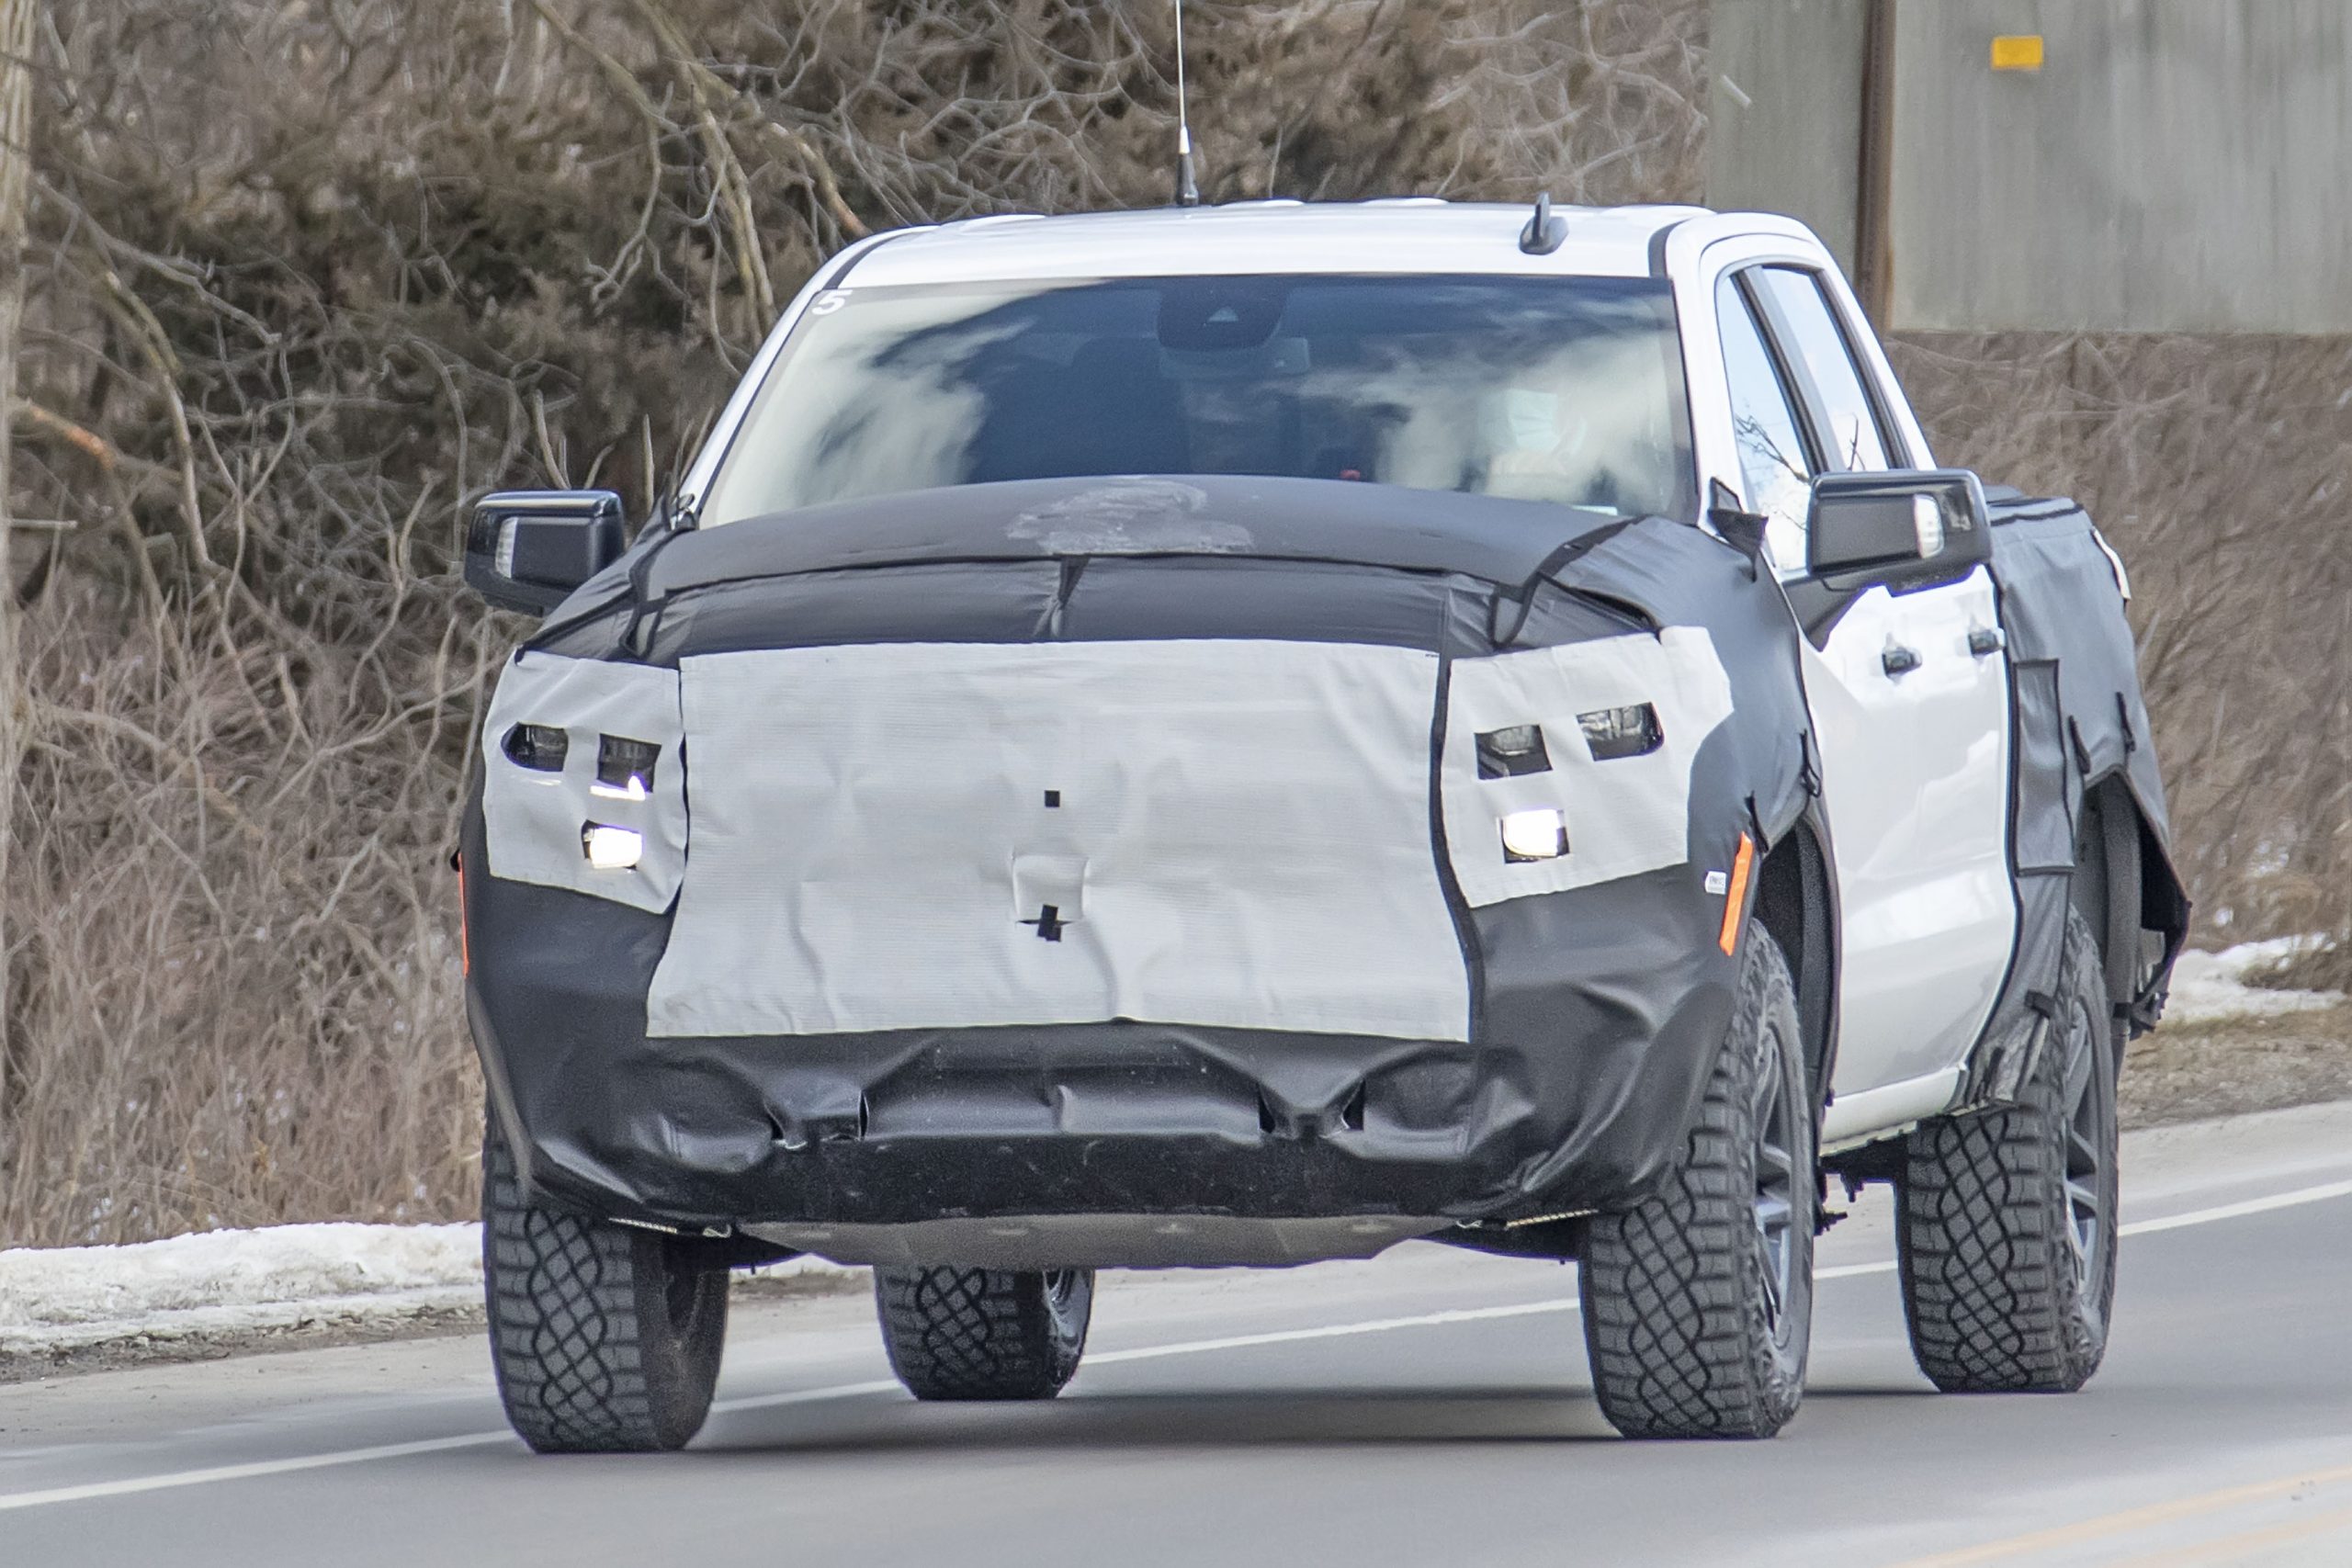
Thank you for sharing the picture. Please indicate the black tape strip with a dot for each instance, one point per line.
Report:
(1524, 594)
(1465, 930)
(2044, 511)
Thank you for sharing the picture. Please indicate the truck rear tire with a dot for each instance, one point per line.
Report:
(984, 1333)
(2008, 1217)
(1698, 1305)
(606, 1338)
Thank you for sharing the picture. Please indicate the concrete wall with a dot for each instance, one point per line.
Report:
(1785, 107)
(2176, 165)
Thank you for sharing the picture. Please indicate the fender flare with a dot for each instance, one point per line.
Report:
(1797, 900)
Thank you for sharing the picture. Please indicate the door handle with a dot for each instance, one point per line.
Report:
(1899, 660)
(1985, 641)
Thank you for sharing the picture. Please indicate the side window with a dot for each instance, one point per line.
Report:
(1776, 476)
(1853, 439)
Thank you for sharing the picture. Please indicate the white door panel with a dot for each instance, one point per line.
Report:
(1915, 765)
(1916, 782)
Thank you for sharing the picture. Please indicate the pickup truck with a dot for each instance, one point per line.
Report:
(1249, 735)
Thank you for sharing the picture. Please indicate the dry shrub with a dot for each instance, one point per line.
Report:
(237, 982)
(2220, 469)
(309, 273)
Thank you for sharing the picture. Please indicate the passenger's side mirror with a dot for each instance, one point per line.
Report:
(1896, 528)
(528, 550)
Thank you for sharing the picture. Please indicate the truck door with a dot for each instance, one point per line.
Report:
(1909, 694)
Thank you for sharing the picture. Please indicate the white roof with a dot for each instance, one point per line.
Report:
(1408, 235)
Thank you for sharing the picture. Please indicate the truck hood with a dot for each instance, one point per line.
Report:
(1498, 540)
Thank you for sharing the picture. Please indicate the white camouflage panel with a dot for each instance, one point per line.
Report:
(1225, 832)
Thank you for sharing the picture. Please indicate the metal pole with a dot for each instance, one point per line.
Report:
(1874, 236)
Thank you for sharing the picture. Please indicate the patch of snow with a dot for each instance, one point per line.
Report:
(2210, 985)
(226, 1282)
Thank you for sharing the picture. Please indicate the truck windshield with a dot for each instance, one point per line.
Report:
(1559, 389)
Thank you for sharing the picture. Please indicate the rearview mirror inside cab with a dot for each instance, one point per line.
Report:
(1907, 527)
(528, 550)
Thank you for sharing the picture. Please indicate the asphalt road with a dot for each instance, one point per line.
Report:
(1429, 1407)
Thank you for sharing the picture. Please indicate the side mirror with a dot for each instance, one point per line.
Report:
(1897, 528)
(528, 550)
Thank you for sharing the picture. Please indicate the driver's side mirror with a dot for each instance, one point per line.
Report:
(528, 550)
(1896, 528)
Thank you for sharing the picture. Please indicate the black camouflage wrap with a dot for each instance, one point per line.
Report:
(2080, 733)
(1595, 1013)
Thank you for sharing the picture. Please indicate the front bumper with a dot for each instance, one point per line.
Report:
(1575, 1093)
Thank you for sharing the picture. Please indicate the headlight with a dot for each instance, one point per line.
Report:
(538, 747)
(624, 767)
(1612, 733)
(1511, 752)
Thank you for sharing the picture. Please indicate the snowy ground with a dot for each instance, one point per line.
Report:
(2210, 985)
(231, 1284)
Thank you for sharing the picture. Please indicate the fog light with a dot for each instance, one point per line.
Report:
(609, 848)
(1534, 835)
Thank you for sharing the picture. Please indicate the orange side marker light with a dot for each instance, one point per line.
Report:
(1736, 896)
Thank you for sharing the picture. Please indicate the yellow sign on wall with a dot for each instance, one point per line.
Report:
(2018, 51)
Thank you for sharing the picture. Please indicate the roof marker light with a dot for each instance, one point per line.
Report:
(1546, 232)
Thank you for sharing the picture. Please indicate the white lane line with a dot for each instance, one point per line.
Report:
(15, 1500)
(795, 1397)
(1335, 1331)
(2299, 1196)
(11, 1502)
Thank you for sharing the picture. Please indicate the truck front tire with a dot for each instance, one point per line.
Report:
(1698, 1305)
(606, 1338)
(2008, 1217)
(960, 1334)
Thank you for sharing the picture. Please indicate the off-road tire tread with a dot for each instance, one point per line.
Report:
(974, 1333)
(580, 1366)
(1988, 1275)
(1666, 1288)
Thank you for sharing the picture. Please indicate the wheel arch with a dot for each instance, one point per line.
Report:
(2125, 886)
(1796, 902)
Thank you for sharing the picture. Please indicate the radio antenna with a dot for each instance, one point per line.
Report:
(1188, 193)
